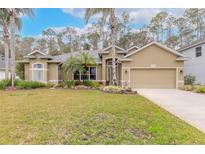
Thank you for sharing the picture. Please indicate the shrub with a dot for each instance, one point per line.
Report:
(4, 84)
(69, 83)
(61, 84)
(189, 79)
(77, 83)
(96, 84)
(50, 84)
(29, 84)
(201, 89)
(91, 84)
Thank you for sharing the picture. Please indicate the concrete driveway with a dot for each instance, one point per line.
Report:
(188, 106)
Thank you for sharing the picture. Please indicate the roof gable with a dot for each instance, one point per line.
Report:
(106, 50)
(133, 48)
(36, 51)
(159, 45)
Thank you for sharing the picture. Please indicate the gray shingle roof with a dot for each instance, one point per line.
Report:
(192, 44)
(64, 57)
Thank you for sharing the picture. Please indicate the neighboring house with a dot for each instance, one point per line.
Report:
(195, 65)
(152, 66)
(2, 67)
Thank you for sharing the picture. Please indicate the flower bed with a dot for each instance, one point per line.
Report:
(118, 90)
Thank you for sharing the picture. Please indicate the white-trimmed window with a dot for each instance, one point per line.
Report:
(89, 74)
(198, 52)
(37, 72)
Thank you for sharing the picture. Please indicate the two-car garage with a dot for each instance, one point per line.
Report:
(153, 78)
(153, 66)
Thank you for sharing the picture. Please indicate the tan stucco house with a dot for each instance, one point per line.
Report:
(151, 66)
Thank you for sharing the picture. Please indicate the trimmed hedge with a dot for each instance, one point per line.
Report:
(4, 84)
(91, 84)
(88, 83)
(29, 84)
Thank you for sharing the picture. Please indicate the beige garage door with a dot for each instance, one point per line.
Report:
(153, 78)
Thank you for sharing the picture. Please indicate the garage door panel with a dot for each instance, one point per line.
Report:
(153, 78)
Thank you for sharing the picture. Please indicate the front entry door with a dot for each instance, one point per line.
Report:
(110, 72)
(109, 77)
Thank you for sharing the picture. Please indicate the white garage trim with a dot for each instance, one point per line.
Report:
(177, 75)
(131, 68)
(129, 78)
(151, 67)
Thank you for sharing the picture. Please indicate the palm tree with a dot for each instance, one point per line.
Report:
(78, 63)
(4, 22)
(85, 59)
(14, 13)
(106, 12)
(71, 65)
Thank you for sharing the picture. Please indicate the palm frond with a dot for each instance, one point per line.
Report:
(70, 65)
(94, 11)
(18, 23)
(24, 11)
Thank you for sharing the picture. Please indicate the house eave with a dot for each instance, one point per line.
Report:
(119, 52)
(182, 59)
(54, 62)
(38, 57)
(191, 46)
(125, 60)
(22, 61)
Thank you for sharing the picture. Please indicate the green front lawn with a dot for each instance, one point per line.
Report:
(45, 116)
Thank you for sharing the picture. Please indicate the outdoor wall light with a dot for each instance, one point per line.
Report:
(181, 71)
(125, 71)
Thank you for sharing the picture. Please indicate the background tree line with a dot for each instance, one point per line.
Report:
(175, 32)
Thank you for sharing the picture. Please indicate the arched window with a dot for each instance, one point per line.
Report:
(37, 72)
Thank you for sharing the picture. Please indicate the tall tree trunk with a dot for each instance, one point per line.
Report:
(101, 37)
(158, 34)
(12, 46)
(197, 30)
(112, 23)
(181, 40)
(6, 50)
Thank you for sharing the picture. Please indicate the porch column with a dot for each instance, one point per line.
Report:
(104, 71)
